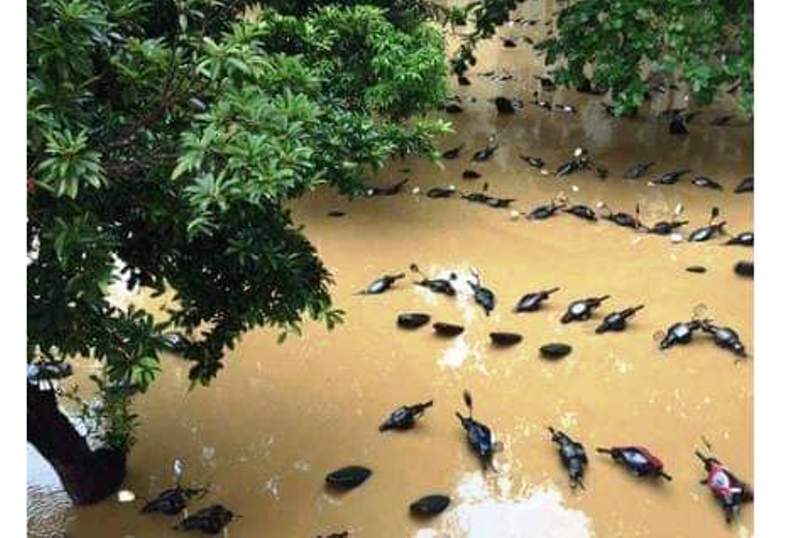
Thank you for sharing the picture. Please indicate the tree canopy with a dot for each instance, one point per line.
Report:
(164, 138)
(627, 48)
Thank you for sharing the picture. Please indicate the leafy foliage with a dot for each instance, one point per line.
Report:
(164, 138)
(627, 47)
(708, 45)
(485, 16)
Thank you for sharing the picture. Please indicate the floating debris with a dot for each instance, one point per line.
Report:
(430, 505)
(505, 339)
(555, 351)
(696, 269)
(347, 478)
(125, 496)
(569, 109)
(744, 268)
(412, 320)
(447, 329)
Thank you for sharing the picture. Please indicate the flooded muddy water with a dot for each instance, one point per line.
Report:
(278, 418)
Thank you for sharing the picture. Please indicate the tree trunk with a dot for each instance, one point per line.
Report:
(87, 476)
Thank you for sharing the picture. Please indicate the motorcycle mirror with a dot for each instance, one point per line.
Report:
(700, 311)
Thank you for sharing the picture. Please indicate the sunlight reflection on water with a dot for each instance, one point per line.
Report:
(479, 511)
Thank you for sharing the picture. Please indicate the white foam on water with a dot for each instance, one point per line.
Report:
(459, 350)
(484, 510)
(568, 419)
(464, 300)
(464, 294)
(271, 487)
(455, 355)
(302, 466)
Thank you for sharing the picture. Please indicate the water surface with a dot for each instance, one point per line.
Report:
(279, 417)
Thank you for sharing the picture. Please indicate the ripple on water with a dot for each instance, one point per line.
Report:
(48, 503)
(479, 512)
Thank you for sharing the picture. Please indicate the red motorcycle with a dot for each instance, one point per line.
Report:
(638, 460)
(726, 487)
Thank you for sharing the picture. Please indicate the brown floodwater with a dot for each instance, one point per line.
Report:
(278, 418)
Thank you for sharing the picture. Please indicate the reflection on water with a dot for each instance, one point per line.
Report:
(279, 417)
(487, 510)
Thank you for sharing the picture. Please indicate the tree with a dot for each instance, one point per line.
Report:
(484, 16)
(633, 47)
(163, 139)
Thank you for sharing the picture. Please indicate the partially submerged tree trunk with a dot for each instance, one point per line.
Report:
(87, 476)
